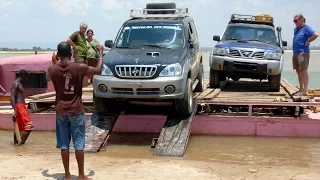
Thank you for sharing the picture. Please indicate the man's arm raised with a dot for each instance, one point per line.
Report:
(54, 60)
(89, 70)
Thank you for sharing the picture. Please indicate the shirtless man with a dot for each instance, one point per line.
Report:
(20, 113)
(67, 78)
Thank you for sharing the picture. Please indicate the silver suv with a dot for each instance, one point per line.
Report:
(156, 57)
(250, 47)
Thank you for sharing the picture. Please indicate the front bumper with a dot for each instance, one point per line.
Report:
(257, 66)
(139, 88)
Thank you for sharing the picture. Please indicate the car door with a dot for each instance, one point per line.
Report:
(192, 52)
(196, 48)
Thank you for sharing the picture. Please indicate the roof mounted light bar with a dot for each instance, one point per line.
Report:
(251, 18)
(143, 13)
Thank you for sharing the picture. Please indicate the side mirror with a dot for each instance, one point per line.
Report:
(284, 43)
(108, 43)
(191, 43)
(279, 29)
(216, 38)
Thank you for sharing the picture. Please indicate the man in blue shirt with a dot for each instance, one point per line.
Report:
(303, 35)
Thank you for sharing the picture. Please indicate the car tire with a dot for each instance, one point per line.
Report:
(161, 6)
(200, 85)
(184, 106)
(274, 82)
(214, 79)
(104, 105)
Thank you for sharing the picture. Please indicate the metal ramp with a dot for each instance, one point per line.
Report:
(98, 129)
(174, 135)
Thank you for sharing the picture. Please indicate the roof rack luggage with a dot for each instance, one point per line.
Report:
(251, 19)
(159, 13)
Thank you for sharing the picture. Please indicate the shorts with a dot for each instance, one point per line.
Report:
(301, 61)
(92, 62)
(80, 59)
(68, 127)
(23, 119)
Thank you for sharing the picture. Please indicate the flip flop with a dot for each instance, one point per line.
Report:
(298, 94)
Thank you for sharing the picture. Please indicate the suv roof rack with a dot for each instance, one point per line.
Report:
(251, 19)
(171, 13)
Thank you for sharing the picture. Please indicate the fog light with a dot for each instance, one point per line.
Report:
(102, 88)
(169, 89)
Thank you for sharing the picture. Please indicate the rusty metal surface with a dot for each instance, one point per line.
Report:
(255, 103)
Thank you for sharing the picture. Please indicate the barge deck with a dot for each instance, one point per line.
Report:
(235, 108)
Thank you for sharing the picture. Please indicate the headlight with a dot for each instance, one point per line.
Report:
(172, 70)
(220, 51)
(272, 55)
(106, 71)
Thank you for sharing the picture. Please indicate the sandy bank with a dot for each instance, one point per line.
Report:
(18, 166)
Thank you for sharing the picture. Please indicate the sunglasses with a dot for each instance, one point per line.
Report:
(296, 20)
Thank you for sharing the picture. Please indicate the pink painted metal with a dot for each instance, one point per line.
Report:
(203, 125)
(29, 63)
(254, 103)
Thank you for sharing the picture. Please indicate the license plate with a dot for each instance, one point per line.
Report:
(134, 85)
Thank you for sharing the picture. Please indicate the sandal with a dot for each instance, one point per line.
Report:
(298, 94)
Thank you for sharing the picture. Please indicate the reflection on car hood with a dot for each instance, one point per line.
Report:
(162, 56)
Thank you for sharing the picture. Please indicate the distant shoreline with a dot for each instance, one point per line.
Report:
(50, 52)
(24, 52)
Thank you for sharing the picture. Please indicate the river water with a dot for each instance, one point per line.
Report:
(269, 151)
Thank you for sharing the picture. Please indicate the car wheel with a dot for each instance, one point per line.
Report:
(104, 105)
(199, 87)
(184, 106)
(214, 79)
(274, 82)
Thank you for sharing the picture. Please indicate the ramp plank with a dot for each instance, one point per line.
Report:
(98, 129)
(291, 89)
(216, 92)
(205, 93)
(174, 135)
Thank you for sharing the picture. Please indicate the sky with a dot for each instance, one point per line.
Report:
(45, 23)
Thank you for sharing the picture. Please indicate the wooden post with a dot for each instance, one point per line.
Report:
(16, 130)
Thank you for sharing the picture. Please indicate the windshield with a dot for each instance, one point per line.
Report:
(170, 36)
(248, 33)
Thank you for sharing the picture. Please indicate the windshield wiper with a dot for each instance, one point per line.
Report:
(233, 39)
(257, 40)
(122, 46)
(156, 45)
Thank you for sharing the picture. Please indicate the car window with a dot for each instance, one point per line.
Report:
(246, 33)
(170, 36)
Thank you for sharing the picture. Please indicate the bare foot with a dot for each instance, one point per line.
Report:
(84, 178)
(68, 177)
(297, 93)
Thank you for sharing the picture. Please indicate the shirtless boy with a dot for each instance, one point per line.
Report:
(20, 113)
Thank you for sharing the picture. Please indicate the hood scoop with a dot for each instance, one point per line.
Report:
(153, 54)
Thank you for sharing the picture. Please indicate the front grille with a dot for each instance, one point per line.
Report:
(246, 54)
(258, 55)
(147, 91)
(136, 71)
(234, 53)
(122, 90)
